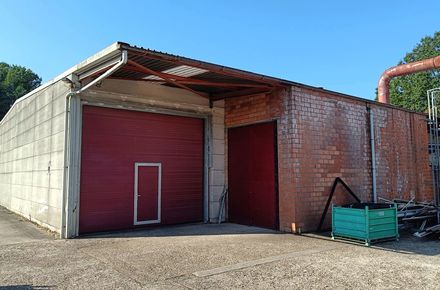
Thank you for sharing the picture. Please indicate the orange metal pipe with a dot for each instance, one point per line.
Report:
(383, 90)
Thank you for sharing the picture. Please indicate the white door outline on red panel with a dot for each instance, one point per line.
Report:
(136, 193)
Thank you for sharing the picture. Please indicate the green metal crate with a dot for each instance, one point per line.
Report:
(365, 224)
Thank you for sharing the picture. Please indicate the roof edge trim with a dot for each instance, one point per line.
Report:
(96, 59)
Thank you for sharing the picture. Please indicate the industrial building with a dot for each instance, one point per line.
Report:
(133, 137)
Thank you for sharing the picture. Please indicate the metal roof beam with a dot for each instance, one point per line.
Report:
(140, 70)
(193, 81)
(220, 84)
(241, 93)
(165, 77)
(204, 65)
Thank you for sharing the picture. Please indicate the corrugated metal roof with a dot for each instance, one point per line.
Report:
(164, 55)
(171, 70)
(185, 71)
(161, 61)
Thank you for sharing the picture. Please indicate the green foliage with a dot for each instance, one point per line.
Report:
(15, 82)
(410, 91)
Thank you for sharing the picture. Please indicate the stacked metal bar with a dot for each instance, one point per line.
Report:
(421, 216)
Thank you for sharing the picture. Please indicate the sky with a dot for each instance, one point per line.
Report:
(342, 46)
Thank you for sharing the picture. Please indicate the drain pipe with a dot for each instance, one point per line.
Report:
(373, 154)
(70, 208)
(123, 61)
(383, 90)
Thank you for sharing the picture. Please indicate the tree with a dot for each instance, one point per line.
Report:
(15, 82)
(410, 91)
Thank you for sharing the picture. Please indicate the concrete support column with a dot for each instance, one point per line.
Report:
(72, 167)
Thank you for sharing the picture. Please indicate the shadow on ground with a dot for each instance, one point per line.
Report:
(25, 287)
(198, 229)
(407, 244)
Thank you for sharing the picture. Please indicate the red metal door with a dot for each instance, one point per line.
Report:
(113, 141)
(252, 175)
(148, 193)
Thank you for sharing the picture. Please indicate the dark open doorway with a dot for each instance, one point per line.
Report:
(252, 175)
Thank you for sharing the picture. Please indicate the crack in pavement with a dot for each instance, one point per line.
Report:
(257, 262)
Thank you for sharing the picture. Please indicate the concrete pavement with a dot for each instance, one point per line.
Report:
(15, 229)
(212, 257)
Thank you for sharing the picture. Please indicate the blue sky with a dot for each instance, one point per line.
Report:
(340, 45)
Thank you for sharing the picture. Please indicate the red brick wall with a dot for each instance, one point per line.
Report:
(322, 136)
(248, 110)
(401, 155)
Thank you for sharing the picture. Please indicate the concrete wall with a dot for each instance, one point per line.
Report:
(322, 136)
(32, 156)
(154, 97)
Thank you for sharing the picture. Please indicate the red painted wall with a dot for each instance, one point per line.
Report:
(323, 135)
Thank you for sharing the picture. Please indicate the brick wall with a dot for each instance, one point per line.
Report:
(248, 110)
(401, 155)
(322, 136)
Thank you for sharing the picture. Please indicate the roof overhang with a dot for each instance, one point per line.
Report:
(208, 80)
(103, 60)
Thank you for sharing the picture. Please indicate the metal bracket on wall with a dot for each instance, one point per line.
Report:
(222, 201)
(73, 80)
(330, 197)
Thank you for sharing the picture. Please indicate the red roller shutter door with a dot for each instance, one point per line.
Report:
(113, 141)
(252, 198)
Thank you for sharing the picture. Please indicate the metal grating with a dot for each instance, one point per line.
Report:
(434, 143)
